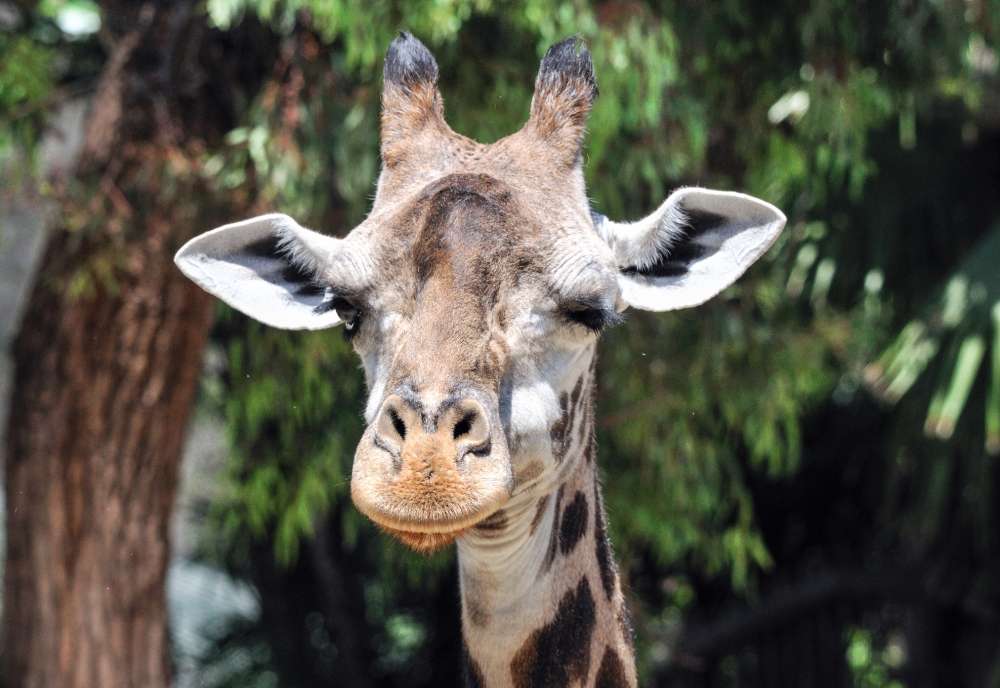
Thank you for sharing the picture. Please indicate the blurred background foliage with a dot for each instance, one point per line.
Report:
(839, 407)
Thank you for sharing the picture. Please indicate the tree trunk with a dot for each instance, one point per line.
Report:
(109, 355)
(102, 393)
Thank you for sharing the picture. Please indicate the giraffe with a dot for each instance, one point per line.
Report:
(474, 293)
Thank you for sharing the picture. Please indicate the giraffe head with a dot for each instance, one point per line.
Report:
(475, 289)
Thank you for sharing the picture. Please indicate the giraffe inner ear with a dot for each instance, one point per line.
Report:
(410, 98)
(564, 94)
(692, 247)
(267, 268)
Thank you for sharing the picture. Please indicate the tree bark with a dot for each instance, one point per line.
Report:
(108, 359)
(102, 393)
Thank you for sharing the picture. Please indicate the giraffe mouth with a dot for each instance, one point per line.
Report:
(426, 543)
(428, 535)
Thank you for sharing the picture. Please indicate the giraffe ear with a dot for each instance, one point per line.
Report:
(692, 247)
(410, 98)
(564, 94)
(267, 268)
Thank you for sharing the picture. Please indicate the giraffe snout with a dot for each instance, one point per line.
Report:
(428, 472)
(448, 437)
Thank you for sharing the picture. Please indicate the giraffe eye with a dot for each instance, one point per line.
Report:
(349, 314)
(594, 319)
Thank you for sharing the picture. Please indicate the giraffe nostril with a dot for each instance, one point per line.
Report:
(463, 427)
(470, 426)
(397, 423)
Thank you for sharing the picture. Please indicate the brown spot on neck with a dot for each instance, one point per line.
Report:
(472, 674)
(558, 654)
(605, 561)
(478, 591)
(529, 472)
(611, 673)
(550, 553)
(573, 523)
(539, 512)
(494, 524)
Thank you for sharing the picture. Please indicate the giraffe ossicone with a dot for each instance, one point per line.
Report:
(474, 293)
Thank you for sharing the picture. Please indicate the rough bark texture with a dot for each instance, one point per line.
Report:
(102, 393)
(105, 376)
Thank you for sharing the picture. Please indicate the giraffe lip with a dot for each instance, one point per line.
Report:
(423, 542)
(425, 535)
(428, 524)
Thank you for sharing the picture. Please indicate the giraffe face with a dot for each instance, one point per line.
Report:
(475, 290)
(474, 304)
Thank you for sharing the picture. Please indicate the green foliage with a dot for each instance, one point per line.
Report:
(294, 412)
(872, 667)
(26, 85)
(683, 396)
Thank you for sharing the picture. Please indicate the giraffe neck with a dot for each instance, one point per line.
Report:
(541, 599)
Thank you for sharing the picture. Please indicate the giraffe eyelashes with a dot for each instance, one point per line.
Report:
(349, 314)
(594, 319)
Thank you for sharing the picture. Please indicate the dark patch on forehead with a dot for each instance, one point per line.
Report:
(573, 523)
(470, 227)
(494, 524)
(611, 673)
(472, 674)
(605, 560)
(558, 654)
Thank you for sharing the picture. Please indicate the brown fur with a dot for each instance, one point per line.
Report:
(611, 674)
(573, 523)
(567, 637)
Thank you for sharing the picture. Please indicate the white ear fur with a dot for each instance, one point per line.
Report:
(692, 247)
(639, 244)
(266, 267)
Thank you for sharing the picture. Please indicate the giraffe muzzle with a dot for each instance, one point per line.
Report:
(426, 476)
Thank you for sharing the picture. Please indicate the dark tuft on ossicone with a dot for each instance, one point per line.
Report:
(564, 62)
(409, 62)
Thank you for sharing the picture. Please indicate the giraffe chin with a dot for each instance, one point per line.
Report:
(426, 543)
